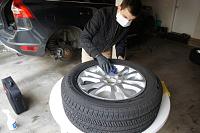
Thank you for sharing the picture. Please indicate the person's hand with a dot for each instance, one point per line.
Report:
(104, 63)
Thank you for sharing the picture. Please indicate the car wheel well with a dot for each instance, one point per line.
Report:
(64, 38)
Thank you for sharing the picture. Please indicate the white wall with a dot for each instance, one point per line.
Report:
(163, 9)
(188, 23)
(197, 29)
(186, 17)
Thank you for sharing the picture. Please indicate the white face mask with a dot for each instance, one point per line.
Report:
(122, 21)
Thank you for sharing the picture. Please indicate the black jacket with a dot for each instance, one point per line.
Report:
(99, 33)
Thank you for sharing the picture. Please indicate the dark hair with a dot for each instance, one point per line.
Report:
(134, 6)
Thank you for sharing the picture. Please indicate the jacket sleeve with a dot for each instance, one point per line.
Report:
(86, 37)
(121, 47)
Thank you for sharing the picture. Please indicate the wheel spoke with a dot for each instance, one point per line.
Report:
(100, 70)
(130, 75)
(91, 79)
(123, 71)
(139, 83)
(88, 87)
(96, 91)
(120, 89)
(134, 87)
(139, 80)
(92, 74)
(112, 93)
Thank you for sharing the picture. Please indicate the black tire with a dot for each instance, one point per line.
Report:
(195, 56)
(92, 115)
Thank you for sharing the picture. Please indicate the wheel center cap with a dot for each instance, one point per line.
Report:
(112, 80)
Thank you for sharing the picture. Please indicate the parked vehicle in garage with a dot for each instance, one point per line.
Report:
(32, 27)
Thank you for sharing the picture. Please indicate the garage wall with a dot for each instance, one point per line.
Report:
(186, 17)
(197, 29)
(164, 10)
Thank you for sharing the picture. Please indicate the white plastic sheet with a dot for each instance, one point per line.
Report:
(58, 113)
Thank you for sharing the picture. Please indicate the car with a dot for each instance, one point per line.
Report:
(33, 27)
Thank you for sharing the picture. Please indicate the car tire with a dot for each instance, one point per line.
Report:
(94, 115)
(195, 55)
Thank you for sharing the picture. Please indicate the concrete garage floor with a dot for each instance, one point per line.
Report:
(36, 76)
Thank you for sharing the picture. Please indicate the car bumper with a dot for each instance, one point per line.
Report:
(28, 41)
